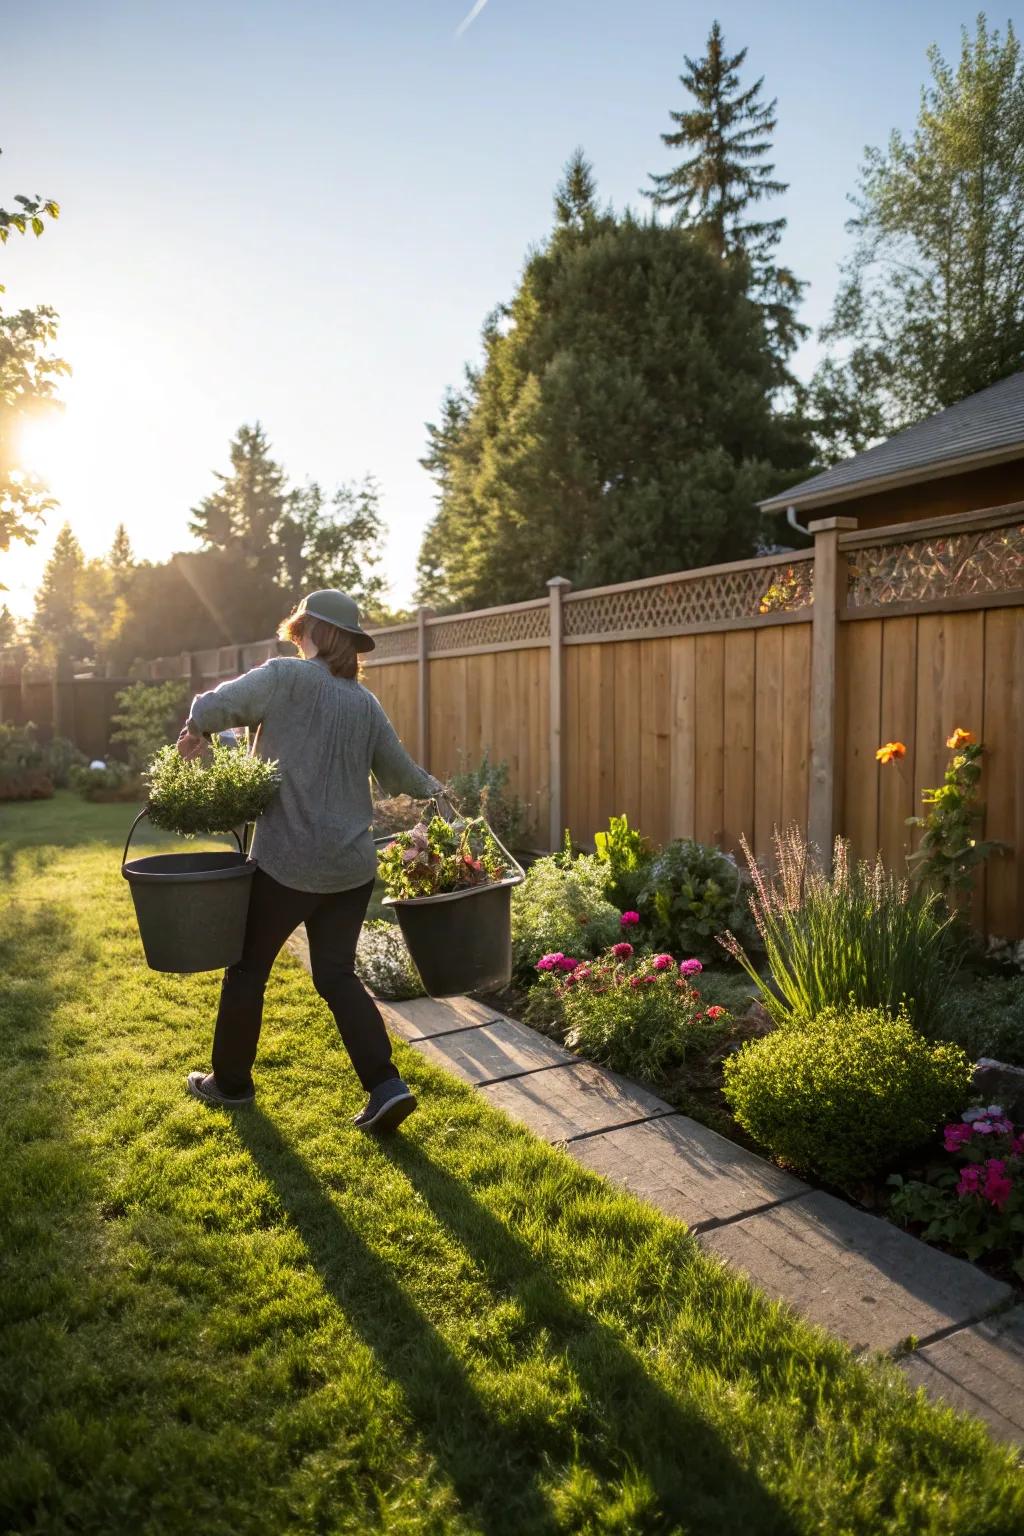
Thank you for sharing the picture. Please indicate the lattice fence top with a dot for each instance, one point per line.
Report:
(501, 627)
(394, 644)
(969, 564)
(720, 597)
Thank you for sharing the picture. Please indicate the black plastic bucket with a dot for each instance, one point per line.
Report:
(191, 908)
(460, 941)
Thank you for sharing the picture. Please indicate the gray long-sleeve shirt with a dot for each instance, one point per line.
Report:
(328, 734)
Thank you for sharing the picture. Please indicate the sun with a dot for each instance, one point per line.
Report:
(40, 444)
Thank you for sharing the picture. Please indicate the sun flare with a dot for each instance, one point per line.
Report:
(41, 444)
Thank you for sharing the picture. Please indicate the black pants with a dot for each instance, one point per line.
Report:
(332, 927)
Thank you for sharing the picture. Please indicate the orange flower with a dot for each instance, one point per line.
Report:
(961, 738)
(890, 750)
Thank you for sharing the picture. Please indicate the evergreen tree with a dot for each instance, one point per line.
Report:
(621, 424)
(243, 517)
(727, 135)
(9, 628)
(57, 627)
(931, 305)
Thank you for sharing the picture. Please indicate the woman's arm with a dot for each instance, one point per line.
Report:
(243, 701)
(394, 769)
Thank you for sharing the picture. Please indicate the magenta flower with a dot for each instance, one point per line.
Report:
(550, 962)
(565, 963)
(663, 962)
(629, 919)
(690, 968)
(970, 1179)
(997, 1188)
(622, 951)
(715, 1011)
(954, 1136)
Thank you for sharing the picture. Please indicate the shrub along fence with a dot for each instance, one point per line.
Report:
(720, 702)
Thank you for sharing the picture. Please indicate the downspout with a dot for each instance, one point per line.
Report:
(792, 521)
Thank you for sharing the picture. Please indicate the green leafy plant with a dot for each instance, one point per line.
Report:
(384, 964)
(626, 855)
(148, 714)
(843, 1096)
(950, 851)
(692, 893)
(437, 856)
(972, 1195)
(61, 759)
(635, 1014)
(484, 791)
(561, 905)
(114, 781)
(211, 794)
(856, 935)
(985, 1015)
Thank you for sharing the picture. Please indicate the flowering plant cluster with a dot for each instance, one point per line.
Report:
(438, 856)
(974, 1198)
(635, 1013)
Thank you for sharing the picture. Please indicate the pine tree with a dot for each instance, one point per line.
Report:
(9, 628)
(621, 424)
(243, 517)
(714, 190)
(57, 627)
(931, 305)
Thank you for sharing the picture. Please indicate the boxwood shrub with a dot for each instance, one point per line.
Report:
(846, 1095)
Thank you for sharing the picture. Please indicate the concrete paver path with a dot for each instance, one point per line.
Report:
(955, 1330)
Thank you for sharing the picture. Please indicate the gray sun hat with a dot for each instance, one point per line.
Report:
(339, 609)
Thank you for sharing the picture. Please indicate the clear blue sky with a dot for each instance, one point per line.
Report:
(301, 210)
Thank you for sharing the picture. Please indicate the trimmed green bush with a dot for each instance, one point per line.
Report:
(844, 1096)
(561, 906)
(209, 794)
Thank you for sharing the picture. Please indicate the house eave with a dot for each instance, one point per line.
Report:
(876, 483)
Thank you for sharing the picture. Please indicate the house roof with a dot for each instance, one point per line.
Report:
(983, 429)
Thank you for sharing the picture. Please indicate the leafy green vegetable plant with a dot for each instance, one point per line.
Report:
(208, 795)
(858, 935)
(626, 855)
(844, 1095)
(437, 857)
(692, 893)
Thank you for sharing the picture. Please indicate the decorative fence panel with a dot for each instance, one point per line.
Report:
(717, 703)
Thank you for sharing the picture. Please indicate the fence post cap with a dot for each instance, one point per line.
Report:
(832, 525)
(559, 581)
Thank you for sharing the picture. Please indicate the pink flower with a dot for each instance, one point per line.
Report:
(997, 1188)
(622, 951)
(629, 919)
(565, 963)
(970, 1179)
(954, 1136)
(715, 1011)
(690, 967)
(635, 981)
(550, 962)
(663, 962)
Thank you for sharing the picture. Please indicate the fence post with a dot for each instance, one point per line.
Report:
(557, 588)
(829, 602)
(64, 698)
(422, 686)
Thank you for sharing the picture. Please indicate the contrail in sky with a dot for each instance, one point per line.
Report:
(468, 21)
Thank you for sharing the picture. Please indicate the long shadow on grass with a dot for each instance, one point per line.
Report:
(627, 1425)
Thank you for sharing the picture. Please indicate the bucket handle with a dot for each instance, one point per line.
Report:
(145, 812)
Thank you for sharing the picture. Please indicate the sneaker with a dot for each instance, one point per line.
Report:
(388, 1105)
(203, 1085)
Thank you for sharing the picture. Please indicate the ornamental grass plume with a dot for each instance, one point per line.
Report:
(858, 936)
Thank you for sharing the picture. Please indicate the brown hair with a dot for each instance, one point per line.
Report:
(333, 645)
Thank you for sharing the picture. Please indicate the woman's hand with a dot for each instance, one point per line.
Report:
(190, 745)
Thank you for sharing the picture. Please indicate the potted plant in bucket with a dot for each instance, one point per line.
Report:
(191, 907)
(450, 885)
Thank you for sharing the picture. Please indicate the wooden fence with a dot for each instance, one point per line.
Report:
(726, 701)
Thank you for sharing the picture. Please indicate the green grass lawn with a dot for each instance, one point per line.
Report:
(268, 1323)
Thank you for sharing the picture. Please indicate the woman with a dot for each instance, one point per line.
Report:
(313, 845)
